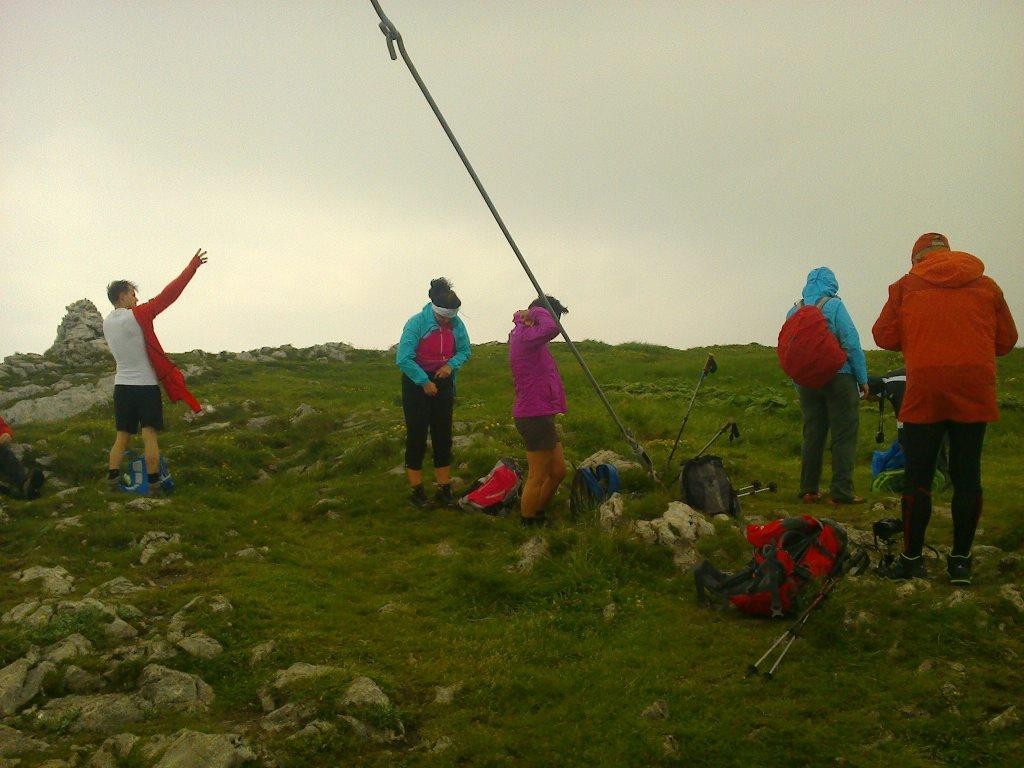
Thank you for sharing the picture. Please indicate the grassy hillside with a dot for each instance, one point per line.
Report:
(598, 656)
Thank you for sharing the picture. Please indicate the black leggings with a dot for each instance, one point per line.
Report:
(921, 444)
(428, 414)
(11, 469)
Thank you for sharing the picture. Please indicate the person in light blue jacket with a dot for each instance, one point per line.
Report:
(434, 345)
(835, 407)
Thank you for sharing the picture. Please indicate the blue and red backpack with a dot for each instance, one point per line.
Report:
(495, 492)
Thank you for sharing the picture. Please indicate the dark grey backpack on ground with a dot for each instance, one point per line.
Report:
(704, 485)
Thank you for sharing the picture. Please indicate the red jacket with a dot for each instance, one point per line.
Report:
(166, 373)
(950, 321)
(4, 429)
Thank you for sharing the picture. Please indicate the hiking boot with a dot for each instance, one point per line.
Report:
(905, 568)
(418, 497)
(537, 521)
(959, 569)
(811, 497)
(114, 484)
(444, 496)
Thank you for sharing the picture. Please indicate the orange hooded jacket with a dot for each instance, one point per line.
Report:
(950, 321)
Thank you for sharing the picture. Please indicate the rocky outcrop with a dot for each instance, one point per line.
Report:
(80, 339)
(62, 404)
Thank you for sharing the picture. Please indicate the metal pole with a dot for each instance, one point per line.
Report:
(394, 37)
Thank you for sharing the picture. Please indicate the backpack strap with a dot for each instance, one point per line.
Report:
(610, 475)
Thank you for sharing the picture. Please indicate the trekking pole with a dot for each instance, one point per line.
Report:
(394, 37)
(710, 366)
(857, 563)
(755, 488)
(792, 632)
(730, 427)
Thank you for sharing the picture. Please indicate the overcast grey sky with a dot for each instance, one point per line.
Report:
(671, 170)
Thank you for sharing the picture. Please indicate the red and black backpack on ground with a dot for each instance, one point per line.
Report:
(497, 491)
(788, 553)
(808, 351)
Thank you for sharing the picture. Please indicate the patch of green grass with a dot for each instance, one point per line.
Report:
(554, 666)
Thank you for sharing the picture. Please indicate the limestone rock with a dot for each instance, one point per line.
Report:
(62, 405)
(191, 749)
(261, 651)
(21, 680)
(1011, 594)
(609, 457)
(79, 681)
(365, 692)
(300, 670)
(530, 554)
(103, 712)
(170, 689)
(55, 581)
(80, 336)
(70, 647)
(14, 742)
(31, 614)
(117, 586)
(610, 513)
(155, 541)
(288, 717)
(687, 523)
(656, 711)
(201, 646)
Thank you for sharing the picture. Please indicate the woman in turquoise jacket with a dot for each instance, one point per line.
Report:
(434, 345)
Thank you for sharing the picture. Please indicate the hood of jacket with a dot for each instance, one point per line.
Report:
(821, 281)
(949, 269)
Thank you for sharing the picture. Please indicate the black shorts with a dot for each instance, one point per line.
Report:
(539, 433)
(136, 406)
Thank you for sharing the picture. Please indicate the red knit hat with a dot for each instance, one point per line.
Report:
(929, 240)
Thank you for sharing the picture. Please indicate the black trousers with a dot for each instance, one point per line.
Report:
(425, 414)
(11, 469)
(921, 443)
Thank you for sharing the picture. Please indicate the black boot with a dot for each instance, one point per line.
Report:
(959, 569)
(418, 498)
(444, 496)
(905, 568)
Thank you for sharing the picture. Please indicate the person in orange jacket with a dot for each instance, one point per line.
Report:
(950, 321)
(142, 366)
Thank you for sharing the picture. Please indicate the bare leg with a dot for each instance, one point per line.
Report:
(118, 449)
(555, 475)
(415, 476)
(537, 475)
(443, 475)
(151, 449)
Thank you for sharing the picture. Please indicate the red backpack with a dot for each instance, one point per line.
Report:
(498, 490)
(808, 351)
(788, 553)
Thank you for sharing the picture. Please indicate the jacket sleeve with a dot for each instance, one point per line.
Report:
(886, 330)
(462, 348)
(169, 294)
(405, 357)
(849, 340)
(544, 329)
(1006, 330)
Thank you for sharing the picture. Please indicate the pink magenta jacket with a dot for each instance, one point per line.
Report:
(539, 389)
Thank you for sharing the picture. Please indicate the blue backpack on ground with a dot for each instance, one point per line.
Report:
(136, 479)
(591, 486)
(888, 460)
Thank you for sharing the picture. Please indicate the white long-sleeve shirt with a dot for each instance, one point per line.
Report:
(124, 337)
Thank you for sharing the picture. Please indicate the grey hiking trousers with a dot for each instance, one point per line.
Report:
(835, 409)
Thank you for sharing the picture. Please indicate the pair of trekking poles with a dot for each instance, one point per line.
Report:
(857, 564)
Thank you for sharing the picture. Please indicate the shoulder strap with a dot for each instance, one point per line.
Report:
(823, 301)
